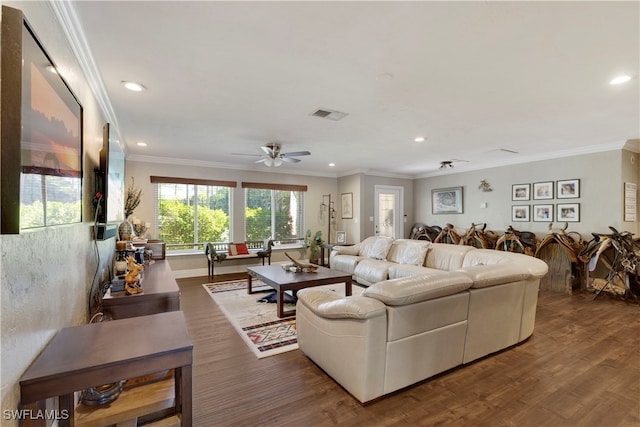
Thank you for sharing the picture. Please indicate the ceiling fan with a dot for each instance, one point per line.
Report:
(273, 156)
(448, 164)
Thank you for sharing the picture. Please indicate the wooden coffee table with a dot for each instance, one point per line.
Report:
(281, 281)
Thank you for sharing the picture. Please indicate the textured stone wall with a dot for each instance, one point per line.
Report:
(45, 276)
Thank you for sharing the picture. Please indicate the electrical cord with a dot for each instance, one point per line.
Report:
(97, 252)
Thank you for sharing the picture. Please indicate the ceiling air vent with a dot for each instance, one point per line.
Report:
(329, 114)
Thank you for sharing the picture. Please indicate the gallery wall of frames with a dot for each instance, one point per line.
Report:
(547, 201)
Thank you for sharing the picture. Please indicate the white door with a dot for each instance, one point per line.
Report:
(388, 211)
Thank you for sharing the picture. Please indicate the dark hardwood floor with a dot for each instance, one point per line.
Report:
(581, 367)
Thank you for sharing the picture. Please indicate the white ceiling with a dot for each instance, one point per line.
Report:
(472, 77)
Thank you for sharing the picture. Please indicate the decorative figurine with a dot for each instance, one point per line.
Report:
(131, 286)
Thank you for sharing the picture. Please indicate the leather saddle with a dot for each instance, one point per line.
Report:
(514, 240)
(571, 242)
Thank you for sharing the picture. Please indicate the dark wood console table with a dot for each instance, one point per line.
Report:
(161, 293)
(101, 353)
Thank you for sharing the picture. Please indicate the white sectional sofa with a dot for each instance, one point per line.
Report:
(456, 305)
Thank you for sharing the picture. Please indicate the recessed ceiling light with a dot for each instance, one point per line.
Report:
(141, 144)
(419, 139)
(134, 87)
(619, 80)
(332, 164)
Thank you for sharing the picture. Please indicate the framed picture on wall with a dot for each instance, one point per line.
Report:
(568, 212)
(568, 189)
(520, 191)
(341, 237)
(543, 190)
(346, 204)
(520, 213)
(42, 144)
(446, 200)
(543, 213)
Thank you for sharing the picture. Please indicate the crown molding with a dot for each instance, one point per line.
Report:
(217, 165)
(67, 17)
(591, 149)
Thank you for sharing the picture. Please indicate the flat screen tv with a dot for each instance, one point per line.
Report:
(112, 163)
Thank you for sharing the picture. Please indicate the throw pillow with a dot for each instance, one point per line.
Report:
(414, 254)
(238, 249)
(380, 248)
(410, 253)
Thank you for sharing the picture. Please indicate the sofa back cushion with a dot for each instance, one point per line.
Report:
(376, 247)
(447, 257)
(485, 257)
(410, 252)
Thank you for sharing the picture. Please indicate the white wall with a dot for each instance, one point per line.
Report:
(350, 184)
(600, 193)
(368, 202)
(45, 274)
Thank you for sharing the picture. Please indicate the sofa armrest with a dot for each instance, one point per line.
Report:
(347, 250)
(409, 290)
(326, 303)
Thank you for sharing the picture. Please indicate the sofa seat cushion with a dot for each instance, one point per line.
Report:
(345, 263)
(443, 256)
(372, 270)
(407, 251)
(409, 290)
(404, 270)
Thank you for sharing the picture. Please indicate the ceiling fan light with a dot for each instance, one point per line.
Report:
(277, 162)
(268, 162)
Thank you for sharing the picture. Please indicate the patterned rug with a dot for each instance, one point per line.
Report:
(257, 322)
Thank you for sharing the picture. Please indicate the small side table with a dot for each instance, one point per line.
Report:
(86, 356)
(329, 248)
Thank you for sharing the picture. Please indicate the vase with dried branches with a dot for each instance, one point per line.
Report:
(131, 202)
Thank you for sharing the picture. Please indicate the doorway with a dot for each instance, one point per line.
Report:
(389, 211)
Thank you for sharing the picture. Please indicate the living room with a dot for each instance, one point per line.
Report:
(47, 272)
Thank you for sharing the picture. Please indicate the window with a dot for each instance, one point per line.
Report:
(276, 212)
(192, 212)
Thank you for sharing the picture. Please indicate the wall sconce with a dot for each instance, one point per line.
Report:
(485, 186)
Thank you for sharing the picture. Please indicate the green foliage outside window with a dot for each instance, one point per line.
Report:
(176, 215)
(32, 215)
(262, 223)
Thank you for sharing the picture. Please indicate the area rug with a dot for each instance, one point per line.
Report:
(257, 322)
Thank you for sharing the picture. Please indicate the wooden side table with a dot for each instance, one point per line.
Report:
(328, 247)
(160, 293)
(101, 353)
